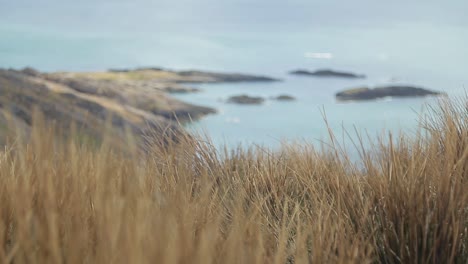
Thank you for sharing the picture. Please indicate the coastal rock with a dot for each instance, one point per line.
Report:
(179, 89)
(214, 77)
(150, 95)
(152, 73)
(328, 73)
(90, 104)
(284, 97)
(20, 94)
(245, 99)
(136, 99)
(366, 93)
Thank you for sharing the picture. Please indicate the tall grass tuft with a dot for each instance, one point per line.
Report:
(64, 201)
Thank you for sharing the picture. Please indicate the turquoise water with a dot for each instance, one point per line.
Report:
(304, 119)
(420, 43)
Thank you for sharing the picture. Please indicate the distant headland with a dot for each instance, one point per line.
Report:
(136, 99)
(328, 73)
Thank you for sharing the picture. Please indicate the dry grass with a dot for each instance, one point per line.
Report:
(121, 76)
(63, 202)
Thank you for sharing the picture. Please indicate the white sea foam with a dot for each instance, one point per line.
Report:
(233, 120)
(319, 55)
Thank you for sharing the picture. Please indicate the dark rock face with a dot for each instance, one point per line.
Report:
(328, 73)
(387, 91)
(285, 97)
(245, 99)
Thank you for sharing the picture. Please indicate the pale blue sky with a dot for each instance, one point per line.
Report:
(236, 15)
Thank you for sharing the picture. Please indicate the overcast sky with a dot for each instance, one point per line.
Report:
(235, 15)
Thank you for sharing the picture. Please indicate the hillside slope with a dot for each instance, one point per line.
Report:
(61, 102)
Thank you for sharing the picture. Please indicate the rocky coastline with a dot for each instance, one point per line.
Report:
(140, 99)
(137, 99)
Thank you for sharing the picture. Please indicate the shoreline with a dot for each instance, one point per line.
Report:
(136, 99)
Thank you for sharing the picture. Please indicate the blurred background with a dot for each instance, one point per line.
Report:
(421, 43)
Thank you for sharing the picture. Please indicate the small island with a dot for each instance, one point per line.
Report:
(365, 93)
(284, 97)
(328, 73)
(246, 100)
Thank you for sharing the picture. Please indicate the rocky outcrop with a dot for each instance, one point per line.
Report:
(366, 93)
(179, 89)
(138, 99)
(65, 103)
(328, 73)
(193, 76)
(147, 88)
(147, 95)
(284, 97)
(213, 77)
(246, 100)
(253, 100)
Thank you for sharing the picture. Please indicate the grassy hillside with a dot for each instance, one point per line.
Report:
(89, 104)
(136, 99)
(185, 202)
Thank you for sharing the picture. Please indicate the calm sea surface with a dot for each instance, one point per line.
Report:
(422, 43)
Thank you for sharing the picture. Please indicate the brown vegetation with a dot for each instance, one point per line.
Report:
(406, 202)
